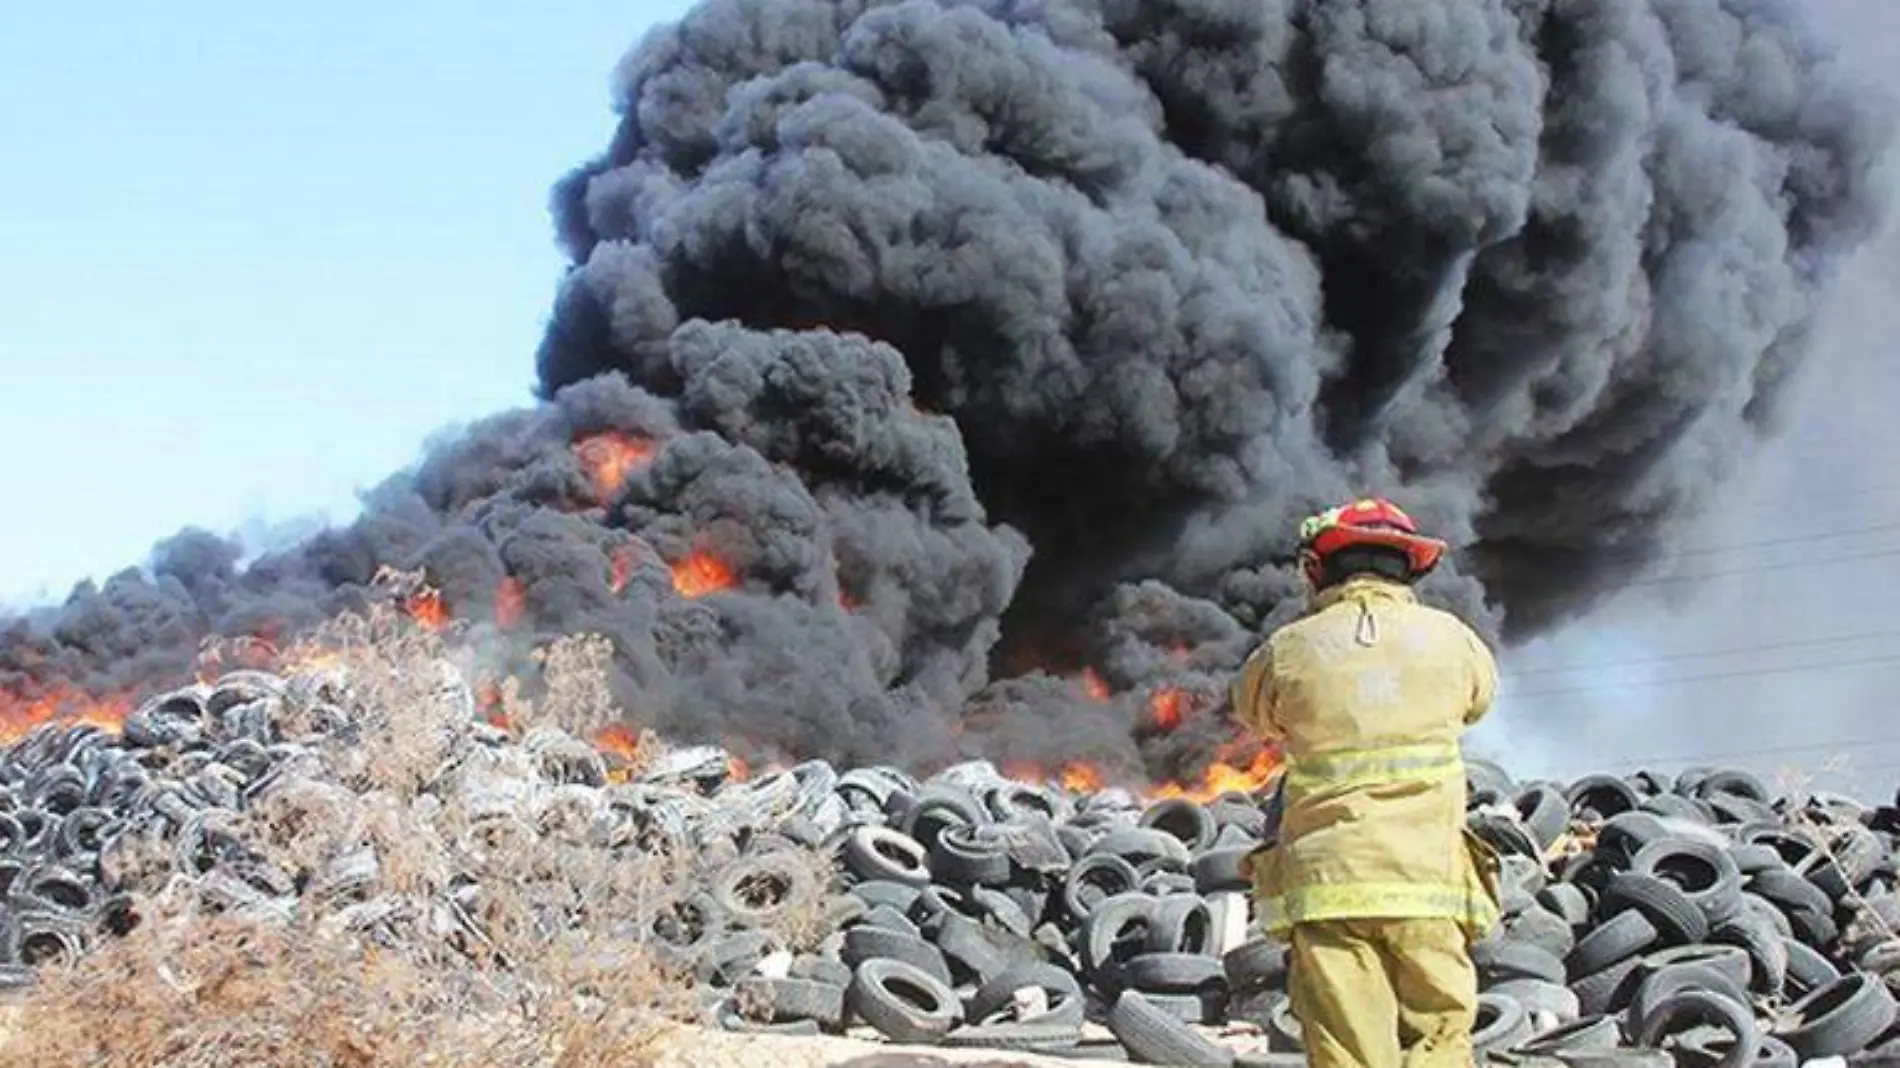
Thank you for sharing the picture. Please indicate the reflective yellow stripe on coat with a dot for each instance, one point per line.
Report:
(1357, 769)
(1365, 767)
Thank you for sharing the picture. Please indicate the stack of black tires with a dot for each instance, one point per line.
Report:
(1690, 918)
(1686, 920)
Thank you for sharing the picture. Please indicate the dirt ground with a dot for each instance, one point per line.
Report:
(692, 1047)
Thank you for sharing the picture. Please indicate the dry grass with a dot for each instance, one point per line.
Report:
(542, 965)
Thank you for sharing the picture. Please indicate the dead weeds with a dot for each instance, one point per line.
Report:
(444, 918)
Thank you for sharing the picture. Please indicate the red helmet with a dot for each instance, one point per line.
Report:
(1369, 521)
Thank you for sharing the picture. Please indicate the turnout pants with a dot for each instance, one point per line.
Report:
(1383, 993)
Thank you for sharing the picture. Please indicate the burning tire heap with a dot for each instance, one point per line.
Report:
(917, 358)
(1699, 915)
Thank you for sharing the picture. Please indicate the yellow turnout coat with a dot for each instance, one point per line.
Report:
(1368, 695)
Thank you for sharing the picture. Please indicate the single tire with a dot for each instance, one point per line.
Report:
(790, 1000)
(999, 909)
(1505, 959)
(1180, 924)
(1094, 879)
(1660, 985)
(1152, 1036)
(1767, 954)
(1172, 973)
(1734, 782)
(902, 1002)
(688, 924)
(84, 831)
(820, 969)
(1817, 929)
(1538, 926)
(1115, 932)
(1624, 937)
(1788, 891)
(756, 891)
(1608, 990)
(1677, 919)
(41, 938)
(967, 952)
(890, 919)
(997, 996)
(938, 807)
(1808, 970)
(1545, 812)
(1501, 1024)
(53, 890)
(1750, 858)
(879, 854)
(963, 856)
(1842, 1018)
(865, 944)
(1538, 996)
(1705, 873)
(1244, 816)
(1146, 849)
(1256, 965)
(1727, 961)
(727, 959)
(1566, 901)
(1601, 797)
(1038, 1037)
(1188, 821)
(1221, 871)
(1688, 1008)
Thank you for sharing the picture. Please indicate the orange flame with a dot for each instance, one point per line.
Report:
(511, 597)
(1228, 773)
(617, 739)
(737, 769)
(701, 573)
(609, 457)
(426, 608)
(1079, 778)
(1093, 685)
(20, 715)
(1166, 707)
(621, 567)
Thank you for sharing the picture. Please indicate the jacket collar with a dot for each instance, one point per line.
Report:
(1363, 588)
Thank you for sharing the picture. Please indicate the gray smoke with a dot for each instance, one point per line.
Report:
(1183, 271)
(988, 341)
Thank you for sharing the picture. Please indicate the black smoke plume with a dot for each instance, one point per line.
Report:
(984, 342)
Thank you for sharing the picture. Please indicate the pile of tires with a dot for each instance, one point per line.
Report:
(1693, 918)
(1699, 915)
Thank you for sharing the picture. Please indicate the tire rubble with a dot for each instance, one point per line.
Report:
(1697, 919)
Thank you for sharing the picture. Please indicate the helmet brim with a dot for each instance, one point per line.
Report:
(1422, 554)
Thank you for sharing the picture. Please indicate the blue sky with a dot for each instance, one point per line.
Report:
(252, 254)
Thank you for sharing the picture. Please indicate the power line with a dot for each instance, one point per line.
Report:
(1820, 561)
(1788, 669)
(1768, 543)
(1708, 654)
(1770, 750)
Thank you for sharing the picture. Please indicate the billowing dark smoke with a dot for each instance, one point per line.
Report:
(986, 341)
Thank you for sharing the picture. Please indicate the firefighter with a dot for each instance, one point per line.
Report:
(1373, 880)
